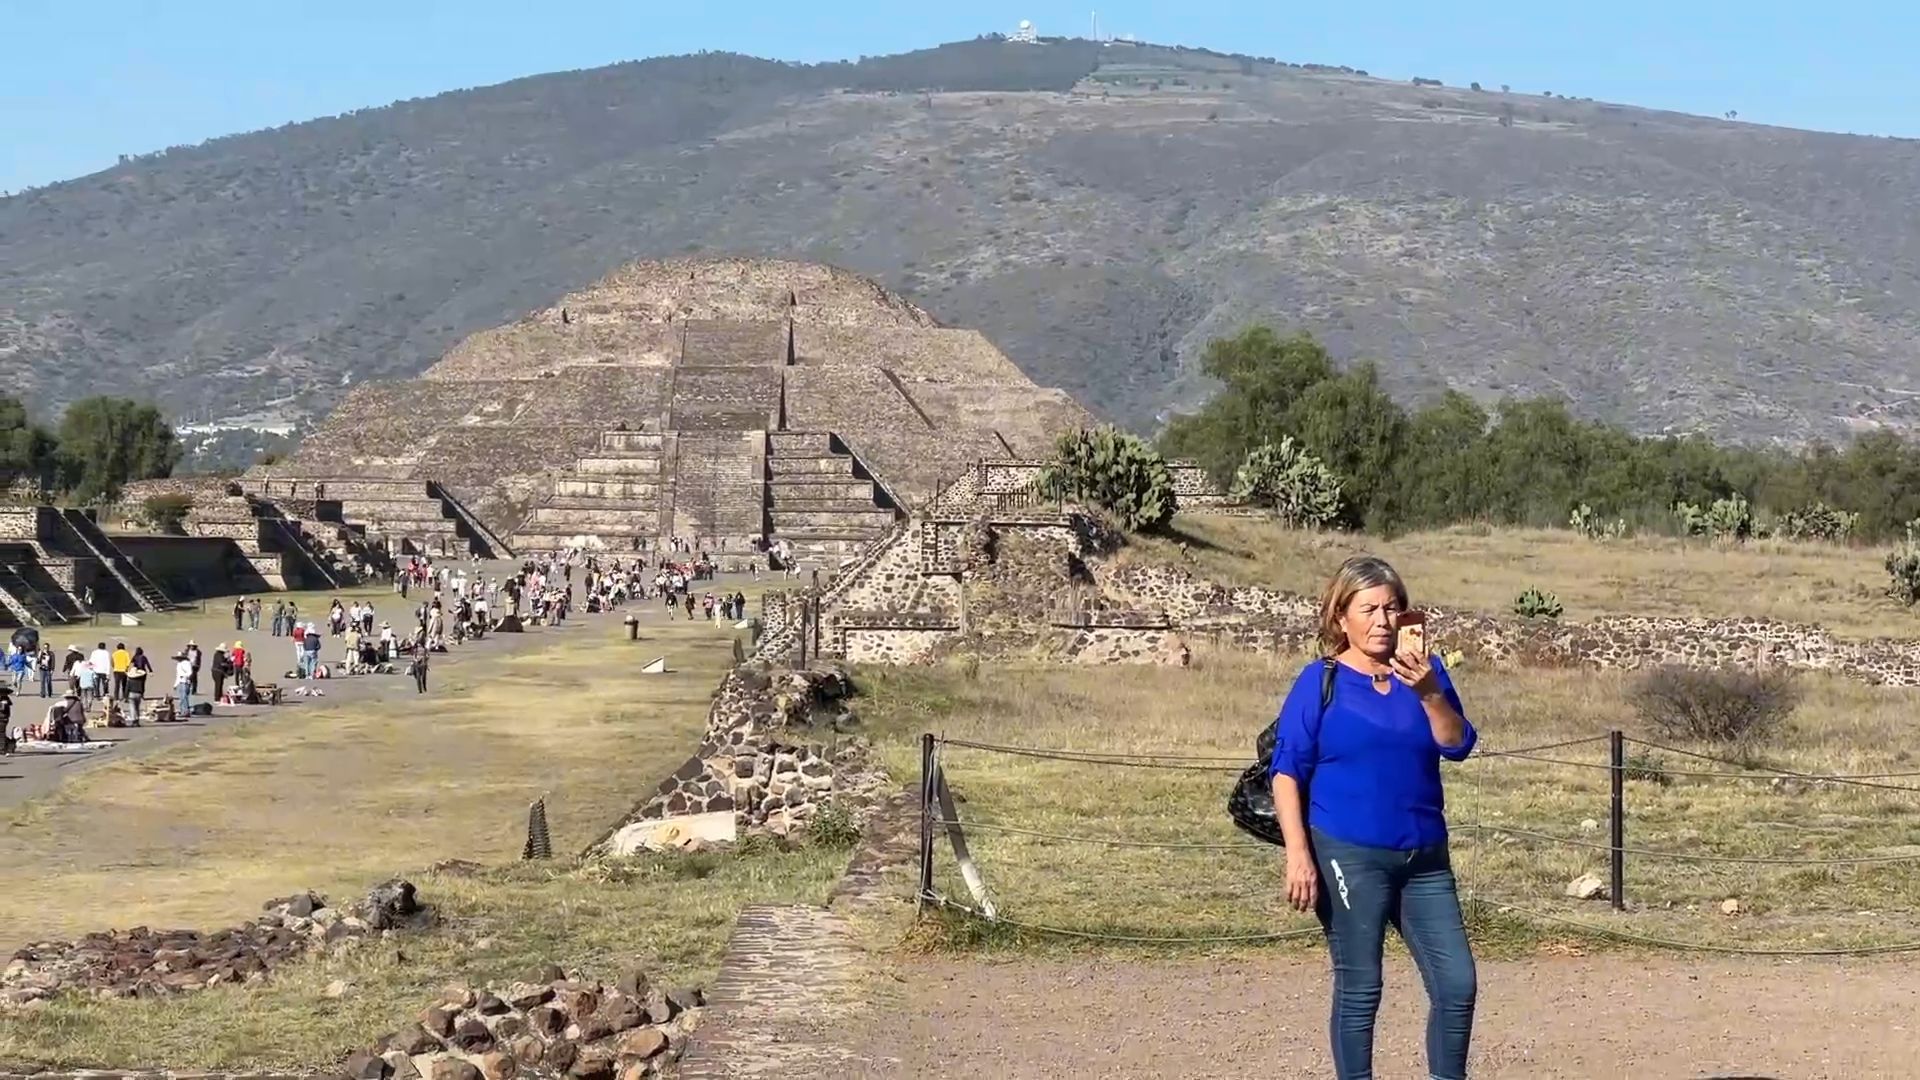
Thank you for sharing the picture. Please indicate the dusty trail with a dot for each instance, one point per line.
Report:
(1615, 1015)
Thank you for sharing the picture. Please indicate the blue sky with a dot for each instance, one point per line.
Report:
(82, 81)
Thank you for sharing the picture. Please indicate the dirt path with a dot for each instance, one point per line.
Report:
(1587, 1017)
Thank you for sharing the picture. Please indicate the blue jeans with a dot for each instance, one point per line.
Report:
(186, 698)
(1362, 891)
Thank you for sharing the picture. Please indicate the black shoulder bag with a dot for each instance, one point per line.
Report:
(1251, 803)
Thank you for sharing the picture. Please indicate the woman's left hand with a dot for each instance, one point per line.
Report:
(1416, 671)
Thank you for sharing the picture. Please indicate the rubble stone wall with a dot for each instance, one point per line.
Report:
(777, 747)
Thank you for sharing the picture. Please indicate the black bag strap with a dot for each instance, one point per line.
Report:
(1328, 667)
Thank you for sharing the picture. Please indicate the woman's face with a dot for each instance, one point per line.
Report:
(1370, 621)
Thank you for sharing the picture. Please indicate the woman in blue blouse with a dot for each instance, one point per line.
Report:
(1358, 794)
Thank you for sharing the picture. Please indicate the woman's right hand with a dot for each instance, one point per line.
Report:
(1303, 880)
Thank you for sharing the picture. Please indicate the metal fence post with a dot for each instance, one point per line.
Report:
(926, 821)
(1617, 854)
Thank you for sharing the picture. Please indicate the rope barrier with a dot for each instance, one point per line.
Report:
(1653, 853)
(1166, 845)
(1542, 747)
(1134, 939)
(1701, 946)
(1769, 772)
(1085, 758)
(1212, 762)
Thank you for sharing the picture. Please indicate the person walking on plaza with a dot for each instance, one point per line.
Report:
(17, 665)
(239, 613)
(121, 658)
(279, 618)
(138, 669)
(101, 662)
(194, 658)
(43, 663)
(1356, 788)
(419, 666)
(253, 613)
(183, 684)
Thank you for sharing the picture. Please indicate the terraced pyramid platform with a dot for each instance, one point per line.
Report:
(722, 401)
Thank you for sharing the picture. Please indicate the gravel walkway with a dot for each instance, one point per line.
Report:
(1614, 1015)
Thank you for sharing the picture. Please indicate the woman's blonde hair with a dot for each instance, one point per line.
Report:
(1358, 574)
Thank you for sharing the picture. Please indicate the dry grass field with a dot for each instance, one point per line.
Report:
(1231, 886)
(1483, 569)
(336, 799)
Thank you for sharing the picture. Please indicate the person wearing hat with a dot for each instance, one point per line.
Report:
(311, 643)
(193, 657)
(239, 658)
(220, 669)
(183, 672)
(70, 665)
(67, 719)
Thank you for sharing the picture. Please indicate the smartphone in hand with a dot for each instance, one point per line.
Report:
(1412, 628)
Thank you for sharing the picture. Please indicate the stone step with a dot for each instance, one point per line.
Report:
(798, 489)
(604, 504)
(599, 517)
(555, 541)
(851, 521)
(605, 463)
(392, 526)
(649, 442)
(800, 442)
(569, 487)
(822, 465)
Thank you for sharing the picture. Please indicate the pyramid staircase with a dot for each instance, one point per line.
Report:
(141, 592)
(821, 499)
(615, 494)
(24, 602)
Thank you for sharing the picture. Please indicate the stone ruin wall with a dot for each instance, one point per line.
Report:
(776, 749)
(1057, 589)
(554, 1024)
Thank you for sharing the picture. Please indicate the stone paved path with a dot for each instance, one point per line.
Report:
(789, 988)
(796, 982)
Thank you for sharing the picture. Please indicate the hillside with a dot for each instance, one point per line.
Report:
(1098, 212)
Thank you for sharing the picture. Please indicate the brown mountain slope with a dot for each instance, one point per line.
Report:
(1099, 213)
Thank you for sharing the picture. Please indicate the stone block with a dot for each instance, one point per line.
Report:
(674, 833)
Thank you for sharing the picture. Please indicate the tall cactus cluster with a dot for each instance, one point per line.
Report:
(1115, 471)
(1287, 478)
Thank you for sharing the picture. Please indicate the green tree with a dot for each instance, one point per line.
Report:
(27, 450)
(1262, 376)
(1357, 429)
(107, 441)
(1440, 476)
(1114, 471)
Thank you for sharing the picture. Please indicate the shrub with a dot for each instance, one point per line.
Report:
(1727, 705)
(1534, 604)
(1646, 767)
(1290, 480)
(1114, 471)
(1903, 567)
(832, 826)
(167, 513)
(1730, 518)
(1817, 522)
(1590, 525)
